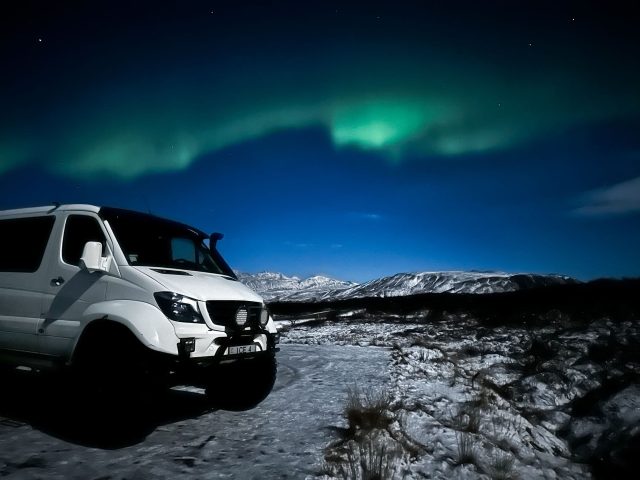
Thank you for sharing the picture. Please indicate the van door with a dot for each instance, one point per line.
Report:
(71, 290)
(23, 244)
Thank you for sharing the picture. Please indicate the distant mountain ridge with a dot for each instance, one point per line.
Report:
(279, 287)
(274, 286)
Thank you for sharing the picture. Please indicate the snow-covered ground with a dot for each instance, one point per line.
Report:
(556, 400)
(416, 396)
(284, 437)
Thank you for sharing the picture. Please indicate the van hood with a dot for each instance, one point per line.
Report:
(200, 285)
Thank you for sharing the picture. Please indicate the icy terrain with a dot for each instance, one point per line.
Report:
(422, 395)
(277, 287)
(555, 399)
(46, 435)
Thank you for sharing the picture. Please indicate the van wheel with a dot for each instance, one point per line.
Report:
(109, 367)
(242, 385)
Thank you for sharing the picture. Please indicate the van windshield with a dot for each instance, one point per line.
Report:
(155, 242)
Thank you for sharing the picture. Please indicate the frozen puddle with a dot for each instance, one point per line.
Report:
(283, 437)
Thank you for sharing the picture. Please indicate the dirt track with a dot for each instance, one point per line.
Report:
(43, 437)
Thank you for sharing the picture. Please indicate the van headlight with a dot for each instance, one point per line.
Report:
(264, 316)
(178, 307)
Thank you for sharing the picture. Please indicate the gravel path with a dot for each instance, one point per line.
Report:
(281, 438)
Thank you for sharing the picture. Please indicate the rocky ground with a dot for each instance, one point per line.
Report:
(550, 397)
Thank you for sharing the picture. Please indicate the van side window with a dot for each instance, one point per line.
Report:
(79, 230)
(22, 243)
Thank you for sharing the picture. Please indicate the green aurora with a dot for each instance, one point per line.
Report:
(401, 98)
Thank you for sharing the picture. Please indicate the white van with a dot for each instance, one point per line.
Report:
(124, 296)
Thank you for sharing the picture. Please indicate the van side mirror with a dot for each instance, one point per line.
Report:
(213, 239)
(92, 259)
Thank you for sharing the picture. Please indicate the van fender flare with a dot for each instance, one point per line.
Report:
(147, 323)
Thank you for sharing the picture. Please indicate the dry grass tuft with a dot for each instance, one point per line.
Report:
(367, 411)
(372, 460)
(467, 420)
(501, 467)
(466, 449)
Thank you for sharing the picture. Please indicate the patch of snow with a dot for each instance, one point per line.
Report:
(624, 407)
(495, 386)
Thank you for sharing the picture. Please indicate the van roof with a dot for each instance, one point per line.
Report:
(108, 213)
(89, 208)
(50, 208)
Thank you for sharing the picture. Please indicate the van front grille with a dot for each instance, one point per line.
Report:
(224, 312)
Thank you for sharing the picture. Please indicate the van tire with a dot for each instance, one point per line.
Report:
(244, 384)
(109, 365)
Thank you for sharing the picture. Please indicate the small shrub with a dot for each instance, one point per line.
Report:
(484, 399)
(327, 468)
(539, 351)
(466, 421)
(367, 411)
(470, 350)
(473, 420)
(501, 467)
(504, 430)
(423, 356)
(420, 341)
(466, 449)
(372, 460)
(506, 392)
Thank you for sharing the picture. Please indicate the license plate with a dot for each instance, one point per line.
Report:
(240, 349)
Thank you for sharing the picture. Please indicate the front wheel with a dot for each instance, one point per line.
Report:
(242, 385)
(112, 370)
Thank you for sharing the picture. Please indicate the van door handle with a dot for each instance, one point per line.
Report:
(56, 282)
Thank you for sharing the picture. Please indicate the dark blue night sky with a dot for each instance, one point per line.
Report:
(349, 139)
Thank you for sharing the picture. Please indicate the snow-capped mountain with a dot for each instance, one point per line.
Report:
(403, 284)
(278, 287)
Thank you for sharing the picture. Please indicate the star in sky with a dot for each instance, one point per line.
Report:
(297, 102)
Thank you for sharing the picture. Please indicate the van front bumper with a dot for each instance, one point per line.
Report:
(218, 348)
(196, 341)
(199, 370)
